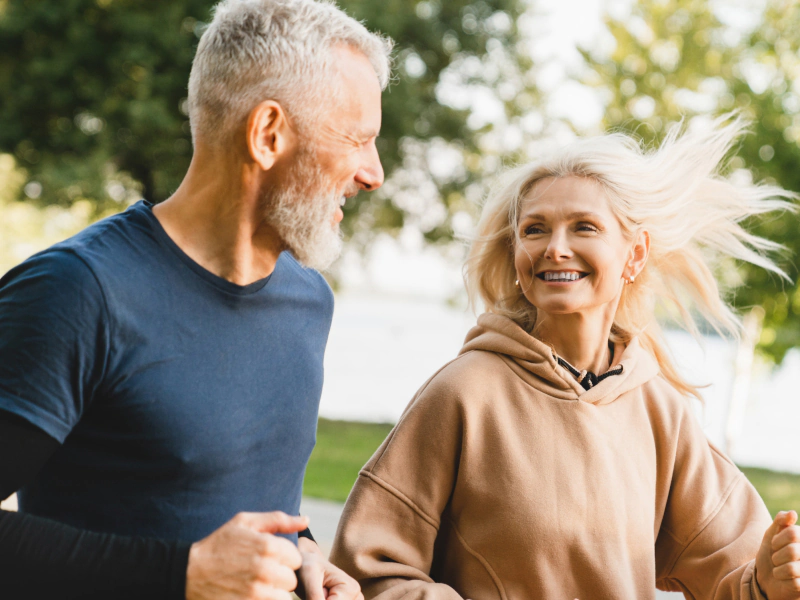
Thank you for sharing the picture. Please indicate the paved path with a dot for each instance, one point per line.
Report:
(325, 517)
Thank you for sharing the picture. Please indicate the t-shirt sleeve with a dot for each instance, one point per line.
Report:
(53, 340)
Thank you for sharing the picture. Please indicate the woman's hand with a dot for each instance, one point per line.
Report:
(778, 560)
(319, 579)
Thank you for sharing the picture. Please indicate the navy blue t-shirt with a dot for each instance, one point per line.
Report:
(180, 397)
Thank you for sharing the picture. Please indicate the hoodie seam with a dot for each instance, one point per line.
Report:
(477, 556)
(704, 524)
(402, 497)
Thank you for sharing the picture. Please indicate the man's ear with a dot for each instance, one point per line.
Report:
(269, 134)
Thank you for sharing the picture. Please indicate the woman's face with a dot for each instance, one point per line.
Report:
(572, 254)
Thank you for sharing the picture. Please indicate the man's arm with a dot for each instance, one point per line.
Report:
(41, 558)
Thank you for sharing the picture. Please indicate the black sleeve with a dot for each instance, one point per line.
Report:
(40, 558)
(306, 533)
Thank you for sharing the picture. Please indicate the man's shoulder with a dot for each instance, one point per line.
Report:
(77, 264)
(59, 267)
(112, 235)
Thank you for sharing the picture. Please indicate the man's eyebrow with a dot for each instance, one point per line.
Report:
(369, 133)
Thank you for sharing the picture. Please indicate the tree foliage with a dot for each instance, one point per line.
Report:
(92, 95)
(92, 105)
(676, 59)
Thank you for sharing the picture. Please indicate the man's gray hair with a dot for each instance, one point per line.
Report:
(257, 50)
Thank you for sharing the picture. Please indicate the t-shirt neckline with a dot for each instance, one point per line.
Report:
(146, 208)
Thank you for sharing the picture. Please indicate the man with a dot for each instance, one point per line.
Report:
(160, 372)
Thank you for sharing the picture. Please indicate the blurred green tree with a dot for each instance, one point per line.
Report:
(676, 59)
(92, 97)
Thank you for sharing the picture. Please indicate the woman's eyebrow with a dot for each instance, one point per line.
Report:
(573, 216)
(585, 215)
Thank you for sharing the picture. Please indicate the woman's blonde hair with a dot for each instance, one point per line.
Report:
(676, 193)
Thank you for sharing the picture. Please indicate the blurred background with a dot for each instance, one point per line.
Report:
(93, 118)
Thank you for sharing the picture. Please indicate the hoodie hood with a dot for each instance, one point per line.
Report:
(501, 335)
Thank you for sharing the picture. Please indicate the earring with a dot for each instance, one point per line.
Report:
(516, 282)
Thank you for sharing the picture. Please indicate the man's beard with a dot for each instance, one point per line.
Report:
(302, 214)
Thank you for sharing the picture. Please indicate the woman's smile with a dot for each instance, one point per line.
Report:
(561, 277)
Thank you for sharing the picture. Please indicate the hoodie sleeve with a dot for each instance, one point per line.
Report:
(390, 523)
(714, 521)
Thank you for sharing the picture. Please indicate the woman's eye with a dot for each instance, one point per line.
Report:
(533, 229)
(586, 227)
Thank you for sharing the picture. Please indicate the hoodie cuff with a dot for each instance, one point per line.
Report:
(756, 593)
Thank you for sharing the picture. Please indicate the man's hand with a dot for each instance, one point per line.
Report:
(319, 579)
(778, 560)
(242, 560)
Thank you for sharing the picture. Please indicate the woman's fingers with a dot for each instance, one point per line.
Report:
(784, 537)
(786, 571)
(789, 553)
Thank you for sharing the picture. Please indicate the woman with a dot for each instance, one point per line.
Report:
(557, 456)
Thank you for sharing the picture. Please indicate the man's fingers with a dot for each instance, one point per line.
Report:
(277, 575)
(271, 522)
(281, 550)
(264, 591)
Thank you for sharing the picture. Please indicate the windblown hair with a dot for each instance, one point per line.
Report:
(675, 192)
(256, 50)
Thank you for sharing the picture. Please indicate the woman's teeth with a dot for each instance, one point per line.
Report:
(342, 200)
(561, 276)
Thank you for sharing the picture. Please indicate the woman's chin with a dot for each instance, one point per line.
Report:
(559, 309)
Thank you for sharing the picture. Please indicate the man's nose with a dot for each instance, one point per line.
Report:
(370, 176)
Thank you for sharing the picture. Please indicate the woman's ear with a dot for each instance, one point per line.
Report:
(639, 253)
(269, 134)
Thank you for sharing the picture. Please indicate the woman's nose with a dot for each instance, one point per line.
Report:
(558, 247)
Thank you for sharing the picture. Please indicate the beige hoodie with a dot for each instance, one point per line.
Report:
(506, 479)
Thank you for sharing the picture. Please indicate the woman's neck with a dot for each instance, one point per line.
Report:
(580, 339)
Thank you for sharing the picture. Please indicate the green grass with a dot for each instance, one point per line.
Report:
(343, 447)
(780, 491)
